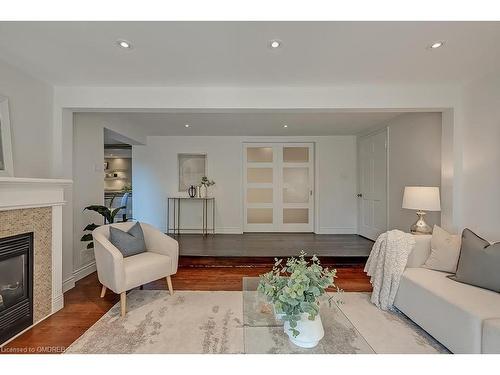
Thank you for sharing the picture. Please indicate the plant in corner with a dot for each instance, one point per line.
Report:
(109, 218)
(295, 290)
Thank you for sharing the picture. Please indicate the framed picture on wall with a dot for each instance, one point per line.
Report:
(192, 167)
(6, 164)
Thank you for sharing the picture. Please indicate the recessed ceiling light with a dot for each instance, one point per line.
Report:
(285, 126)
(275, 43)
(187, 126)
(124, 44)
(436, 45)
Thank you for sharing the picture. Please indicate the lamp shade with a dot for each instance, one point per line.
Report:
(425, 198)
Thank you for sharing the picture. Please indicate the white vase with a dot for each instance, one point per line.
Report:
(310, 331)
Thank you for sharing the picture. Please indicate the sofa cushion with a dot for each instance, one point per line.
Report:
(449, 311)
(479, 262)
(491, 336)
(130, 242)
(145, 267)
(445, 250)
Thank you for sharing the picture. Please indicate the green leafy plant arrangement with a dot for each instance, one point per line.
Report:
(295, 288)
(109, 218)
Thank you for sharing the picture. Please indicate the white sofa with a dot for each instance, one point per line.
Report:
(464, 318)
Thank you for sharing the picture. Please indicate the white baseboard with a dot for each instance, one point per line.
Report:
(57, 303)
(337, 230)
(68, 284)
(229, 230)
(78, 274)
(224, 230)
(86, 270)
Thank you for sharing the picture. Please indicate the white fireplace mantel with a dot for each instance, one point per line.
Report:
(17, 193)
(21, 193)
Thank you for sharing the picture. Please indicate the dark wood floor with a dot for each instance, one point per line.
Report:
(274, 245)
(83, 306)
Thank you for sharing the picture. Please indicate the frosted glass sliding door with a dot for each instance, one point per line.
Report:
(278, 187)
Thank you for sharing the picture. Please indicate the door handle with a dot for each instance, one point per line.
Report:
(360, 195)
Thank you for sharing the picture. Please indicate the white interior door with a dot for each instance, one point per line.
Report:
(372, 196)
(278, 187)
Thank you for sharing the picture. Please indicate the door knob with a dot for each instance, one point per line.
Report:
(360, 195)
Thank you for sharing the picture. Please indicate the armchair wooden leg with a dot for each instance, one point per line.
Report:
(103, 291)
(169, 284)
(123, 303)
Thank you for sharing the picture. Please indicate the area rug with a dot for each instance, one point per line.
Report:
(212, 322)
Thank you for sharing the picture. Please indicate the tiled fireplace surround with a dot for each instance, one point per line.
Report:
(35, 205)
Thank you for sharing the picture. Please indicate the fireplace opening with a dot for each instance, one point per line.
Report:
(16, 284)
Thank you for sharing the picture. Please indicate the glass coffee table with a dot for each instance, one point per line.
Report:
(263, 333)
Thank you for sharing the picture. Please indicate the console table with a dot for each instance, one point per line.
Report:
(206, 205)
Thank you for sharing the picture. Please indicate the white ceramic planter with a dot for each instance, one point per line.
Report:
(311, 331)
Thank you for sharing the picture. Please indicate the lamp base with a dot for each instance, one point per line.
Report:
(420, 226)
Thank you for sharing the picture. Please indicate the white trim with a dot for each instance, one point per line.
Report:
(33, 181)
(229, 230)
(337, 230)
(68, 284)
(25, 206)
(57, 293)
(84, 271)
(78, 274)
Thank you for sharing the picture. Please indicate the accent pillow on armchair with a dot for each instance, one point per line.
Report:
(129, 243)
(479, 262)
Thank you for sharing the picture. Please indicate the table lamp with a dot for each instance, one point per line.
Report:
(421, 198)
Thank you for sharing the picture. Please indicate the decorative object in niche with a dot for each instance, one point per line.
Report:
(192, 167)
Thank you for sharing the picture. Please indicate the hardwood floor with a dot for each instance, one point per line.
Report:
(83, 305)
(273, 245)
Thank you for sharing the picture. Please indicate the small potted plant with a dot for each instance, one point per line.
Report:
(205, 182)
(295, 290)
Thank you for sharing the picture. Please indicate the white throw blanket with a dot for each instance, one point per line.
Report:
(386, 264)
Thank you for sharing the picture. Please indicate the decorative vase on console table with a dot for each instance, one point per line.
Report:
(192, 191)
(205, 183)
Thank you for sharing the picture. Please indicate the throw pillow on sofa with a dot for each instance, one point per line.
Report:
(479, 262)
(445, 250)
(129, 243)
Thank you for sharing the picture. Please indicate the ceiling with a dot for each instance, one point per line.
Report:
(246, 123)
(238, 53)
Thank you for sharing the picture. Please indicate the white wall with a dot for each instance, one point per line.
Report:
(155, 178)
(88, 185)
(414, 159)
(368, 97)
(84, 163)
(481, 157)
(30, 102)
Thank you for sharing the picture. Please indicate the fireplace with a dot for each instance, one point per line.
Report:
(16, 284)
